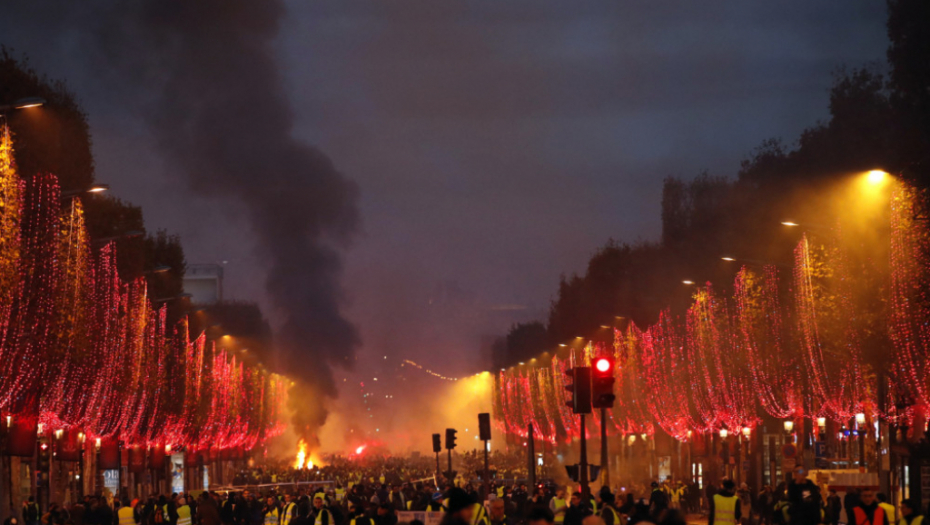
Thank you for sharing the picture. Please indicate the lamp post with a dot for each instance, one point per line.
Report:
(860, 430)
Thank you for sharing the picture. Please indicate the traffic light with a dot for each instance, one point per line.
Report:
(602, 383)
(484, 426)
(44, 460)
(437, 443)
(450, 438)
(580, 388)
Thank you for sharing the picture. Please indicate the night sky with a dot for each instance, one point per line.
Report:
(495, 144)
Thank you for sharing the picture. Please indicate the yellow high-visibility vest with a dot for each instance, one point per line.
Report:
(558, 504)
(271, 517)
(479, 516)
(290, 512)
(610, 510)
(919, 520)
(724, 510)
(319, 518)
(184, 515)
(125, 516)
(889, 511)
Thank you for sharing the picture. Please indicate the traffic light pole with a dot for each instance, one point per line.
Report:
(605, 463)
(450, 463)
(438, 472)
(487, 472)
(583, 475)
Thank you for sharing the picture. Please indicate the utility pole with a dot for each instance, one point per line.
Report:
(583, 475)
(605, 462)
(484, 431)
(531, 455)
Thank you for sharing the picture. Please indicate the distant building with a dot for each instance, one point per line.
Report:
(204, 282)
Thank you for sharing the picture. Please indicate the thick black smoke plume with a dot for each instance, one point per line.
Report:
(223, 117)
(205, 77)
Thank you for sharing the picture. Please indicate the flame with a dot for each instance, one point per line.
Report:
(360, 449)
(302, 456)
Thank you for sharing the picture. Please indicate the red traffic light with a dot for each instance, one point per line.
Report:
(602, 364)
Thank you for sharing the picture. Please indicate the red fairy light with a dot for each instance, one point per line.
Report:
(83, 350)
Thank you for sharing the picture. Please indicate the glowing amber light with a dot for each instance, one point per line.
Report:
(876, 176)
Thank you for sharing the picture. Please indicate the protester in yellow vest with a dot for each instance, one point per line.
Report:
(558, 505)
(479, 515)
(184, 512)
(676, 495)
(125, 514)
(910, 513)
(608, 513)
(724, 507)
(888, 507)
(322, 515)
(289, 512)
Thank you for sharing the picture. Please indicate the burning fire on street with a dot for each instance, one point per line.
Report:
(306, 459)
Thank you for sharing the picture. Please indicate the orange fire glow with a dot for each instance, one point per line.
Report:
(301, 460)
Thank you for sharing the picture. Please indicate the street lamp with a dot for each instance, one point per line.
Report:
(158, 269)
(876, 176)
(789, 426)
(96, 188)
(746, 432)
(687, 282)
(128, 235)
(179, 296)
(23, 103)
(860, 419)
(724, 433)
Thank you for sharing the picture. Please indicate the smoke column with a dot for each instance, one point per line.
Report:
(222, 116)
(204, 75)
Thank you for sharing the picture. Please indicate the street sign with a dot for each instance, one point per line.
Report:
(820, 449)
(789, 450)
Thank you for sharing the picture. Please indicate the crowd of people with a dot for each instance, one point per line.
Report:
(377, 491)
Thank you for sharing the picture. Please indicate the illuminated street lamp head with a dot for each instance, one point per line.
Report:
(860, 418)
(98, 188)
(789, 426)
(747, 432)
(876, 176)
(689, 283)
(29, 102)
(789, 223)
(728, 259)
(724, 433)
